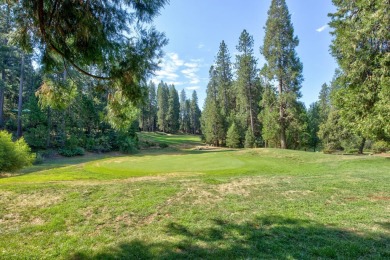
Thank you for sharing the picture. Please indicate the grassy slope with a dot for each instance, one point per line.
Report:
(172, 203)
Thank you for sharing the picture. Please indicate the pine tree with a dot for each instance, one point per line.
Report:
(194, 114)
(224, 78)
(92, 38)
(162, 104)
(152, 119)
(173, 110)
(248, 93)
(183, 115)
(283, 64)
(233, 137)
(269, 117)
(361, 47)
(212, 120)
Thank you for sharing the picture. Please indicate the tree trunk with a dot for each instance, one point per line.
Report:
(361, 147)
(48, 127)
(2, 87)
(283, 143)
(20, 103)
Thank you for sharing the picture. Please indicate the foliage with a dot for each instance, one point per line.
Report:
(250, 140)
(163, 145)
(381, 146)
(71, 151)
(128, 145)
(92, 37)
(361, 48)
(14, 155)
(247, 85)
(233, 138)
(283, 65)
(213, 123)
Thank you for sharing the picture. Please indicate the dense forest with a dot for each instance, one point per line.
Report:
(73, 81)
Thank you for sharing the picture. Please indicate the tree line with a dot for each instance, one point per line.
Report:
(251, 107)
(163, 110)
(89, 90)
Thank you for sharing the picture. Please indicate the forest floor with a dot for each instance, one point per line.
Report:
(191, 201)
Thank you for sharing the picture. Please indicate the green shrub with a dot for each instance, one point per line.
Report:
(163, 145)
(14, 155)
(70, 152)
(36, 137)
(39, 159)
(380, 147)
(128, 145)
(98, 145)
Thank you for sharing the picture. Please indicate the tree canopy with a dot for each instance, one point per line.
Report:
(111, 41)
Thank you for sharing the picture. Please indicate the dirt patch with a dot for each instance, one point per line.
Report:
(37, 200)
(13, 218)
(386, 155)
(373, 197)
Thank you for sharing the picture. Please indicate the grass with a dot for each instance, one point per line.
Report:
(180, 203)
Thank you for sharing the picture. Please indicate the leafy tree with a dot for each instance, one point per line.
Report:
(361, 48)
(248, 91)
(93, 38)
(250, 140)
(283, 64)
(14, 155)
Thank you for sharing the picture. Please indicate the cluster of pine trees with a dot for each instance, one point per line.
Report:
(251, 107)
(165, 111)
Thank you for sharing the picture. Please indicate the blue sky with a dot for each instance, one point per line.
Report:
(195, 28)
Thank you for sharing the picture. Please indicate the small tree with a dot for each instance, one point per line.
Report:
(14, 155)
(233, 137)
(250, 140)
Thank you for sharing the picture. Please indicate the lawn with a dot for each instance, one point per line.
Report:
(180, 203)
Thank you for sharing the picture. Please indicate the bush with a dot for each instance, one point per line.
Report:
(163, 145)
(70, 152)
(380, 147)
(14, 155)
(98, 145)
(39, 159)
(128, 145)
(36, 137)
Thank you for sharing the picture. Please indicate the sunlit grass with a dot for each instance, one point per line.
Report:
(180, 204)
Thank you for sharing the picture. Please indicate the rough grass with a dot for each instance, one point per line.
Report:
(180, 204)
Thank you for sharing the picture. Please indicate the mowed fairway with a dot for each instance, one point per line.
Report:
(187, 203)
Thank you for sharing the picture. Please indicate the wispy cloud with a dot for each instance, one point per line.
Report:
(322, 28)
(200, 46)
(176, 71)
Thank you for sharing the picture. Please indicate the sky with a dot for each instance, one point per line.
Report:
(195, 29)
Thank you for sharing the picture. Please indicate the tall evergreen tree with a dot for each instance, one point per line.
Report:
(361, 48)
(248, 91)
(212, 120)
(283, 64)
(163, 106)
(194, 114)
(173, 110)
(183, 115)
(223, 69)
(152, 119)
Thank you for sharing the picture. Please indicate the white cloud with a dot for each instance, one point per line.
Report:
(193, 88)
(200, 46)
(322, 28)
(176, 71)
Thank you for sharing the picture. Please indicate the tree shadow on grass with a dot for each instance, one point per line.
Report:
(270, 237)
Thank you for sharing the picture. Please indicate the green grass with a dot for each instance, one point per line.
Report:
(181, 203)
